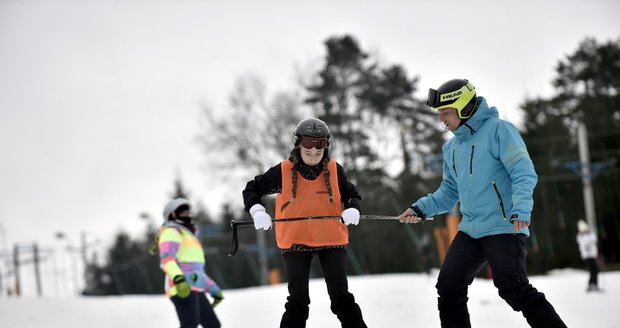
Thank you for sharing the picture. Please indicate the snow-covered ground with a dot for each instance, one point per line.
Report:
(391, 300)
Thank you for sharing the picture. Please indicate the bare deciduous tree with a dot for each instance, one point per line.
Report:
(252, 134)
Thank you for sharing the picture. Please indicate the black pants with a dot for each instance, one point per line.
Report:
(593, 267)
(506, 257)
(195, 310)
(333, 262)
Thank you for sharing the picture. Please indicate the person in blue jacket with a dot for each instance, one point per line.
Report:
(487, 169)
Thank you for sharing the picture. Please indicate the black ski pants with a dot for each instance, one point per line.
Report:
(333, 262)
(593, 267)
(505, 254)
(195, 310)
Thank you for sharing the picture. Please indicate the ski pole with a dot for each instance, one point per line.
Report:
(235, 223)
(384, 217)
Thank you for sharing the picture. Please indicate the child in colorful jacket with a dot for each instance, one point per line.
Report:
(183, 261)
(310, 184)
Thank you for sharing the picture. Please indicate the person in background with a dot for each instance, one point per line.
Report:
(183, 262)
(488, 170)
(586, 238)
(309, 183)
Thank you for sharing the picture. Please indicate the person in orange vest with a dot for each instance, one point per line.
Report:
(183, 261)
(309, 183)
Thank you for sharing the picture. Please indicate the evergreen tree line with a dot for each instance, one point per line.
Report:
(389, 143)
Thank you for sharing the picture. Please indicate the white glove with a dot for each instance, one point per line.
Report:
(262, 220)
(351, 216)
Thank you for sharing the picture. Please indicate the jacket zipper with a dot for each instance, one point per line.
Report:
(501, 203)
(471, 160)
(454, 161)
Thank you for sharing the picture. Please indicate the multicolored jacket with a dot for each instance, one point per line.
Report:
(181, 253)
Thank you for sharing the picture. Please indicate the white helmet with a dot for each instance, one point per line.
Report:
(582, 226)
(173, 205)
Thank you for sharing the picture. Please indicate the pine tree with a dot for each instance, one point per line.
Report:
(587, 89)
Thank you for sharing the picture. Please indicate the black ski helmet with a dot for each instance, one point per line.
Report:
(458, 93)
(313, 128)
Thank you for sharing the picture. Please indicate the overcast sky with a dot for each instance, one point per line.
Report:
(100, 100)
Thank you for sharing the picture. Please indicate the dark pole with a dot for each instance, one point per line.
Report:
(16, 268)
(37, 271)
(83, 247)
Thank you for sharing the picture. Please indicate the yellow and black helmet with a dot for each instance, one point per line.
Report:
(457, 93)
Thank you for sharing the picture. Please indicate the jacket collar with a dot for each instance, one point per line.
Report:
(474, 123)
(173, 224)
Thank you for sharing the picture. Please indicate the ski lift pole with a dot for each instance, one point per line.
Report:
(236, 223)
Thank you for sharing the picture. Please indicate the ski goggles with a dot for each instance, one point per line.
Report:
(311, 142)
(455, 99)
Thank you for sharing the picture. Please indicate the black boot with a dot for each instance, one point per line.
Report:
(348, 312)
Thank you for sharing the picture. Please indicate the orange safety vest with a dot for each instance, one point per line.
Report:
(312, 199)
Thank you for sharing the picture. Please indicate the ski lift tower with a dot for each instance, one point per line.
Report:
(586, 175)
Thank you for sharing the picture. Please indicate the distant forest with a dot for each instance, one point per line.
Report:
(389, 143)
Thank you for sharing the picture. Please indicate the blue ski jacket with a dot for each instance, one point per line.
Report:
(488, 170)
